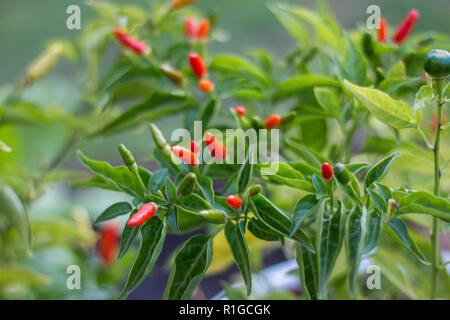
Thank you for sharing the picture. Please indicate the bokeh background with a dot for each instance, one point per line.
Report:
(25, 27)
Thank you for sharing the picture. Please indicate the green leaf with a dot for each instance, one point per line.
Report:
(166, 162)
(307, 264)
(171, 191)
(172, 219)
(355, 63)
(295, 84)
(260, 230)
(274, 218)
(153, 233)
(17, 214)
(356, 167)
(206, 186)
(304, 168)
(328, 242)
(14, 274)
(397, 229)
(295, 28)
(351, 189)
(378, 200)
(4, 147)
(138, 112)
(384, 191)
(129, 234)
(246, 171)
(394, 113)
(304, 208)
(96, 182)
(121, 176)
(208, 113)
(373, 231)
(190, 265)
(158, 179)
(314, 133)
(320, 186)
(328, 100)
(355, 235)
(238, 65)
(424, 203)
(311, 157)
(115, 210)
(239, 249)
(379, 170)
(284, 175)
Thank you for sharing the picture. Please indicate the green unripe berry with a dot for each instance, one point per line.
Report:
(127, 156)
(254, 190)
(341, 173)
(213, 215)
(437, 63)
(187, 185)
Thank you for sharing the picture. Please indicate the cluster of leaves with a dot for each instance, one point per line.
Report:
(334, 84)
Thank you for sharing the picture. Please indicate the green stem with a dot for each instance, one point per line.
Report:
(437, 176)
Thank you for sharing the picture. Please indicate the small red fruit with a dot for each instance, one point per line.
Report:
(197, 66)
(136, 45)
(108, 244)
(234, 202)
(190, 28)
(273, 121)
(382, 32)
(145, 212)
(185, 155)
(327, 171)
(206, 85)
(240, 110)
(203, 29)
(216, 148)
(406, 26)
(194, 147)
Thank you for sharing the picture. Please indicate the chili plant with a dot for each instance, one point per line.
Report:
(353, 109)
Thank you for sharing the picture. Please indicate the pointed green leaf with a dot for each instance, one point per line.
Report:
(190, 265)
(239, 249)
(307, 264)
(304, 208)
(379, 170)
(153, 233)
(158, 179)
(115, 210)
(424, 203)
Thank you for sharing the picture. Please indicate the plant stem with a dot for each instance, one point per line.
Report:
(437, 176)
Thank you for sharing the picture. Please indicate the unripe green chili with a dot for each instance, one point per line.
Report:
(174, 75)
(287, 118)
(367, 45)
(341, 173)
(254, 190)
(257, 123)
(159, 139)
(127, 156)
(213, 215)
(437, 63)
(187, 185)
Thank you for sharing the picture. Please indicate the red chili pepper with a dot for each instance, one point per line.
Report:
(216, 148)
(197, 66)
(194, 147)
(203, 29)
(190, 28)
(108, 244)
(273, 121)
(382, 32)
(206, 85)
(136, 45)
(185, 155)
(406, 26)
(240, 110)
(145, 212)
(234, 202)
(327, 171)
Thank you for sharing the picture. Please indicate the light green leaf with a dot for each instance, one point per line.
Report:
(394, 113)
(238, 65)
(424, 203)
(328, 100)
(295, 28)
(424, 98)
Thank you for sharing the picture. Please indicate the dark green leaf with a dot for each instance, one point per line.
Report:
(246, 171)
(129, 234)
(379, 170)
(190, 265)
(397, 229)
(259, 230)
(373, 231)
(153, 233)
(239, 249)
(304, 208)
(115, 210)
(157, 180)
(307, 264)
(171, 191)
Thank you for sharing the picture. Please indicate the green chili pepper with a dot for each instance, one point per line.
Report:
(287, 118)
(254, 190)
(127, 156)
(187, 185)
(437, 63)
(213, 215)
(341, 173)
